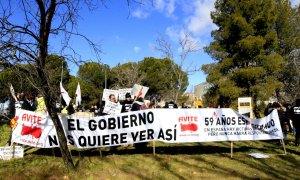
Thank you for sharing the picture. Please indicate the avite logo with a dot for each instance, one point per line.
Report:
(187, 119)
(34, 131)
(189, 127)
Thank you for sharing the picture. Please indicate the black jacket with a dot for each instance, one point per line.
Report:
(295, 114)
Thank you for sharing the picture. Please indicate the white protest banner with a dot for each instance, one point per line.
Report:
(32, 128)
(139, 91)
(107, 92)
(122, 93)
(167, 125)
(112, 108)
(9, 152)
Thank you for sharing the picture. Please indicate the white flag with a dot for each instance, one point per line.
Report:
(12, 91)
(78, 95)
(65, 94)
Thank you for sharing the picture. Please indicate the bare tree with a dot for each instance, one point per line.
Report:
(25, 29)
(126, 75)
(292, 79)
(187, 46)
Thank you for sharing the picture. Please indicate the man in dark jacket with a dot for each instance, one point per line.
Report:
(295, 116)
(282, 117)
(126, 105)
(137, 106)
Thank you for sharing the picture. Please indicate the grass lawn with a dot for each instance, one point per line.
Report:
(172, 161)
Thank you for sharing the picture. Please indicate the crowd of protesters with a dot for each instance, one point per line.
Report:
(289, 115)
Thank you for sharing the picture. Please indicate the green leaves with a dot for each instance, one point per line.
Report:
(245, 47)
(93, 72)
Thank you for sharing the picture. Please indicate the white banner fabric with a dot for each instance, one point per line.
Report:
(33, 129)
(167, 125)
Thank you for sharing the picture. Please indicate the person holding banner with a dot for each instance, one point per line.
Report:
(112, 98)
(282, 117)
(126, 105)
(139, 105)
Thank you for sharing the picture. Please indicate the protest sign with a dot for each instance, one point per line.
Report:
(112, 108)
(166, 125)
(122, 93)
(107, 92)
(245, 106)
(9, 152)
(139, 91)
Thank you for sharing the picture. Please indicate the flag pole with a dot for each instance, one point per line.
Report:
(62, 70)
(61, 78)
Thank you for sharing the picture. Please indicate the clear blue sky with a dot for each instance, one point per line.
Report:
(129, 35)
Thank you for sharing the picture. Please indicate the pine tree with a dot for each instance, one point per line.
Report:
(244, 48)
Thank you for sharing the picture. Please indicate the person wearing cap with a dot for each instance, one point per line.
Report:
(126, 105)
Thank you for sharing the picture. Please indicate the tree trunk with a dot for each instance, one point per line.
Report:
(46, 17)
(65, 153)
(51, 107)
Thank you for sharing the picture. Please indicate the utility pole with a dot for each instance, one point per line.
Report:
(105, 78)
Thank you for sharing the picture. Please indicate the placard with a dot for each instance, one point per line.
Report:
(9, 152)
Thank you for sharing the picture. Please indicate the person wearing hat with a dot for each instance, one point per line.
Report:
(126, 105)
